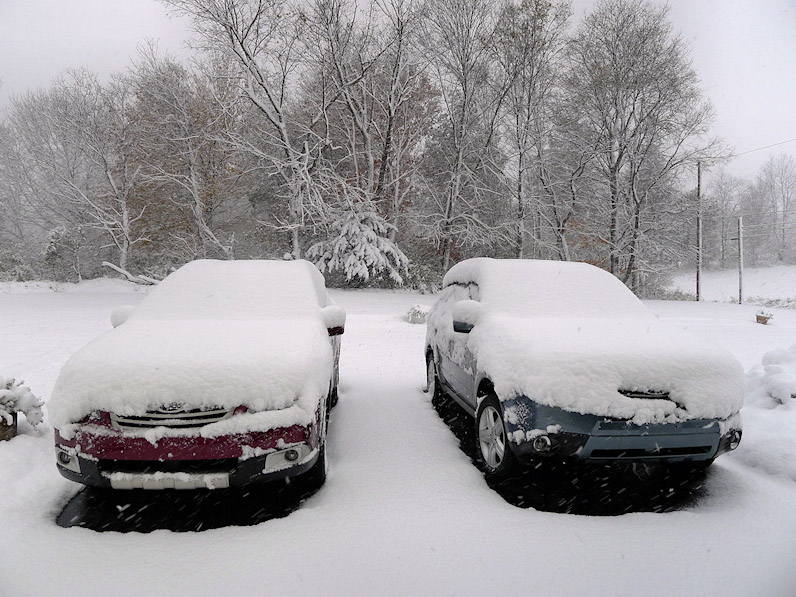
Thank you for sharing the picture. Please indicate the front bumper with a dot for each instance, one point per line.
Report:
(594, 438)
(101, 458)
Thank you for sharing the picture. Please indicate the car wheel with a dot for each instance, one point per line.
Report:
(316, 476)
(333, 397)
(492, 445)
(432, 384)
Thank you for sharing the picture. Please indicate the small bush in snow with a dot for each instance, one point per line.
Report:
(775, 377)
(417, 314)
(14, 397)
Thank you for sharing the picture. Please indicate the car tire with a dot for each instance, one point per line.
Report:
(432, 383)
(331, 401)
(315, 477)
(491, 439)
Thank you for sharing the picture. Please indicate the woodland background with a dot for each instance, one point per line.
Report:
(385, 141)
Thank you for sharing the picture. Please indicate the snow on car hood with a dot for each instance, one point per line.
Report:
(580, 364)
(261, 364)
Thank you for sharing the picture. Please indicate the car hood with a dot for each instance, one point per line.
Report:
(581, 364)
(144, 364)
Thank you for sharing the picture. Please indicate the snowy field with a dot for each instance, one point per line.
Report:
(404, 511)
(775, 283)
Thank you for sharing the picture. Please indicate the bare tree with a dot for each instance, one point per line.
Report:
(263, 40)
(457, 41)
(643, 111)
(777, 181)
(78, 140)
(528, 42)
(722, 207)
(186, 118)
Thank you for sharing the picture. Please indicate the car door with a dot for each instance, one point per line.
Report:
(461, 365)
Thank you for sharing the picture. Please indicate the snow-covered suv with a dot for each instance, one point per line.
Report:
(222, 376)
(562, 360)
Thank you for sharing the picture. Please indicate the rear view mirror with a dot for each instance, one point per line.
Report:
(334, 318)
(465, 316)
(120, 314)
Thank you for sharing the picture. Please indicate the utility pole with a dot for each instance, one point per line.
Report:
(699, 233)
(740, 260)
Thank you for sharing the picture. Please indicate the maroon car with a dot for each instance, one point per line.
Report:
(223, 376)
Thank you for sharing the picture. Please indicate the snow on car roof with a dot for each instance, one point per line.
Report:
(247, 289)
(546, 288)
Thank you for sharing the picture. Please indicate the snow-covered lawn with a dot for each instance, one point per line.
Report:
(403, 511)
(777, 282)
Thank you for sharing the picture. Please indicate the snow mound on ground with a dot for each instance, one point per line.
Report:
(213, 334)
(775, 377)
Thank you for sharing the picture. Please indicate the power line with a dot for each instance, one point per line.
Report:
(735, 155)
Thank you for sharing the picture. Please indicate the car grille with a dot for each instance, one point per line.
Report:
(181, 419)
(634, 453)
(645, 395)
(197, 467)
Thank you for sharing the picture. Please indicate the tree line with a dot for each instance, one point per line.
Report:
(766, 203)
(383, 141)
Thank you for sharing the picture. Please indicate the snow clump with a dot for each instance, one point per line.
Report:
(776, 375)
(417, 313)
(14, 397)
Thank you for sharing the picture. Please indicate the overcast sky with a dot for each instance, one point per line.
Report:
(743, 50)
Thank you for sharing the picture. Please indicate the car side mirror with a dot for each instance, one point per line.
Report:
(334, 318)
(120, 314)
(465, 316)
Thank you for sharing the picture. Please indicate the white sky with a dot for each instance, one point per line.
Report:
(744, 51)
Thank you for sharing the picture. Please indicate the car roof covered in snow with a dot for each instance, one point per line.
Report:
(547, 288)
(246, 289)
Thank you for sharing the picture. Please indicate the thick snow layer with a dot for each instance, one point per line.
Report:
(249, 289)
(404, 511)
(144, 364)
(582, 363)
(213, 334)
(547, 288)
(571, 335)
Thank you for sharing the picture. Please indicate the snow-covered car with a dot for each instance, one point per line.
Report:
(223, 376)
(561, 360)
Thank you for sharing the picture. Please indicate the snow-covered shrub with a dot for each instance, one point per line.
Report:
(422, 277)
(360, 248)
(417, 313)
(13, 269)
(14, 397)
(775, 376)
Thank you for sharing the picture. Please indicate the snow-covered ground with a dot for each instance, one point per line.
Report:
(777, 282)
(403, 511)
